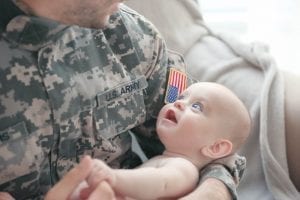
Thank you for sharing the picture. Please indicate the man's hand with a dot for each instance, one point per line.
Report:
(210, 189)
(102, 191)
(67, 185)
(6, 196)
(101, 172)
(75, 181)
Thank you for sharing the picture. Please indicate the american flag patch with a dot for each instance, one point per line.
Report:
(176, 84)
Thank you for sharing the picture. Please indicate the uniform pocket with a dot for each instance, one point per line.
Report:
(121, 108)
(70, 133)
(19, 161)
(96, 129)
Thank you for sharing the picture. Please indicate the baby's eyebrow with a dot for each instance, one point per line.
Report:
(184, 93)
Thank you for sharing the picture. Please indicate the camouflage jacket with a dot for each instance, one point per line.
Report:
(68, 91)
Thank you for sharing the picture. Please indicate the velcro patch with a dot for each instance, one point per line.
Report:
(177, 82)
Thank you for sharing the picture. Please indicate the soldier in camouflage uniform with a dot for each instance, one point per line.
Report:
(68, 91)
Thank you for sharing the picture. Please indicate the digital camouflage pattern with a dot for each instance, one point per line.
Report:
(235, 169)
(68, 91)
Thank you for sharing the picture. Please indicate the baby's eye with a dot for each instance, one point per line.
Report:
(198, 106)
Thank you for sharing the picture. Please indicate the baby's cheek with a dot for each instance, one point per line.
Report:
(191, 125)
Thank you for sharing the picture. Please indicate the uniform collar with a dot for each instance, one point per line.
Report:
(32, 33)
(8, 10)
(25, 31)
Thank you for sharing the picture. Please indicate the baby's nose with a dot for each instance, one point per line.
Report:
(179, 104)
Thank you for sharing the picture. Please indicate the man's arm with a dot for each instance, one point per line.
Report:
(212, 189)
(218, 182)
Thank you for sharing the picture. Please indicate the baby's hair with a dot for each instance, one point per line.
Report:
(246, 128)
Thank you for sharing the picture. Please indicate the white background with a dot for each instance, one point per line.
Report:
(274, 22)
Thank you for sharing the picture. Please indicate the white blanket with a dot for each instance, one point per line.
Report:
(251, 73)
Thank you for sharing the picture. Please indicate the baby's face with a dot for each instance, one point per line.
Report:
(198, 117)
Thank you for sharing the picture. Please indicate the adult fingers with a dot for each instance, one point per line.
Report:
(103, 191)
(65, 187)
(6, 196)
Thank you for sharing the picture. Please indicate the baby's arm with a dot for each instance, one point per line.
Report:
(171, 178)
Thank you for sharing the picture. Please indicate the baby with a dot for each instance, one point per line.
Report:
(205, 123)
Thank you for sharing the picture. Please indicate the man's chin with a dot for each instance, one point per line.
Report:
(100, 24)
(115, 7)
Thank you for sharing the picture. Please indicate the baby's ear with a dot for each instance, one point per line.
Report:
(219, 149)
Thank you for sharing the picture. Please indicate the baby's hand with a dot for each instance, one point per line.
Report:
(101, 172)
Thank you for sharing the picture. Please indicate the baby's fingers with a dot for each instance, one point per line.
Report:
(100, 172)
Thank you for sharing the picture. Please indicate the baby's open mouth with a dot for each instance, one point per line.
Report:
(170, 115)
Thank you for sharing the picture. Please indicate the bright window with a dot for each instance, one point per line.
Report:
(274, 22)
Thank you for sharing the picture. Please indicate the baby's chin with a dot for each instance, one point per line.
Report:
(163, 129)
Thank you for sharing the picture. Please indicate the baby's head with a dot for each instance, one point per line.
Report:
(207, 118)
